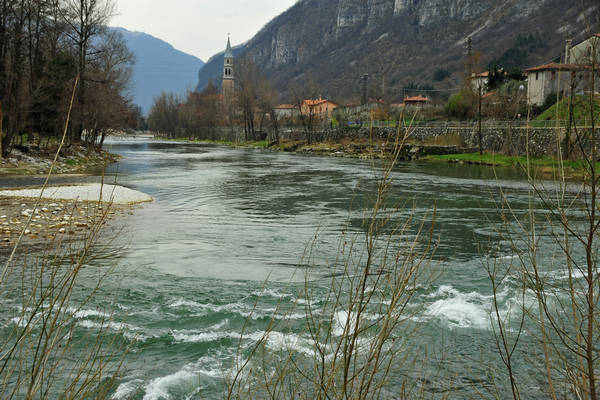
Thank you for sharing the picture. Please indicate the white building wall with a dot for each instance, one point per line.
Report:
(583, 52)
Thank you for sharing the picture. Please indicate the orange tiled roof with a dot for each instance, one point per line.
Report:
(481, 75)
(554, 66)
(312, 103)
(416, 99)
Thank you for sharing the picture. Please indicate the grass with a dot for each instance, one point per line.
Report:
(546, 165)
(560, 110)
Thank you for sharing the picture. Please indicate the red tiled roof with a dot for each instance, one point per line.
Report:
(554, 66)
(312, 103)
(416, 99)
(489, 94)
(481, 75)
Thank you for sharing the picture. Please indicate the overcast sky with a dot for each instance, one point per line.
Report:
(198, 27)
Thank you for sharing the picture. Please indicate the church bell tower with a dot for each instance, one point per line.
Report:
(228, 77)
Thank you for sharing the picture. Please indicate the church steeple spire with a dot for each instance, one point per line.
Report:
(228, 76)
(228, 52)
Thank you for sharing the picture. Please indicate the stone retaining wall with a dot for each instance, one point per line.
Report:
(509, 140)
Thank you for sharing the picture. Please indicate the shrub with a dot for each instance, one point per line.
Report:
(458, 106)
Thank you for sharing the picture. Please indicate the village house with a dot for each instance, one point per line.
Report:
(544, 80)
(480, 80)
(287, 111)
(576, 74)
(586, 52)
(321, 107)
(418, 101)
(554, 78)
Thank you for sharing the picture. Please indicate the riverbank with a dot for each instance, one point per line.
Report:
(447, 150)
(64, 212)
(74, 159)
(362, 148)
(546, 167)
(51, 221)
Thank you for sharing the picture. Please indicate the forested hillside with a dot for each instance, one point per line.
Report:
(407, 45)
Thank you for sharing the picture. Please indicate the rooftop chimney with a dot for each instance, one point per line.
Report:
(568, 45)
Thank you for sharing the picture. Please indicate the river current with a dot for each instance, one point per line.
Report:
(222, 246)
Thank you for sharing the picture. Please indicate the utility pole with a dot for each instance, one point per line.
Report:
(469, 57)
(480, 88)
(365, 88)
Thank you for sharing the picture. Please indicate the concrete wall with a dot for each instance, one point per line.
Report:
(541, 84)
(583, 53)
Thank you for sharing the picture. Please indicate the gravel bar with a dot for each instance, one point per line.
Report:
(95, 192)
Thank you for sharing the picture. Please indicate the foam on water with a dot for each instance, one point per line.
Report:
(461, 310)
(129, 331)
(271, 293)
(276, 341)
(340, 320)
(126, 389)
(160, 388)
(80, 314)
(244, 310)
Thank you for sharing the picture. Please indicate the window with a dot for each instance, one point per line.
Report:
(537, 75)
(553, 75)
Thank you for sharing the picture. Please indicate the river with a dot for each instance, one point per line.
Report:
(223, 243)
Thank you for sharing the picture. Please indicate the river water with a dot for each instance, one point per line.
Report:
(223, 242)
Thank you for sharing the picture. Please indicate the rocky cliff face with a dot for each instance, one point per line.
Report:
(405, 41)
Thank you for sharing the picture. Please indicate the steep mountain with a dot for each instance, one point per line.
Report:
(328, 44)
(159, 67)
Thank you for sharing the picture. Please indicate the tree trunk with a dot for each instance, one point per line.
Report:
(479, 134)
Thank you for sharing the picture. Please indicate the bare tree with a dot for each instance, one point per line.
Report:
(85, 19)
(163, 116)
(267, 100)
(247, 92)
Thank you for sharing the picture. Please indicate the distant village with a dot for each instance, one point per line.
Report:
(246, 99)
(541, 81)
